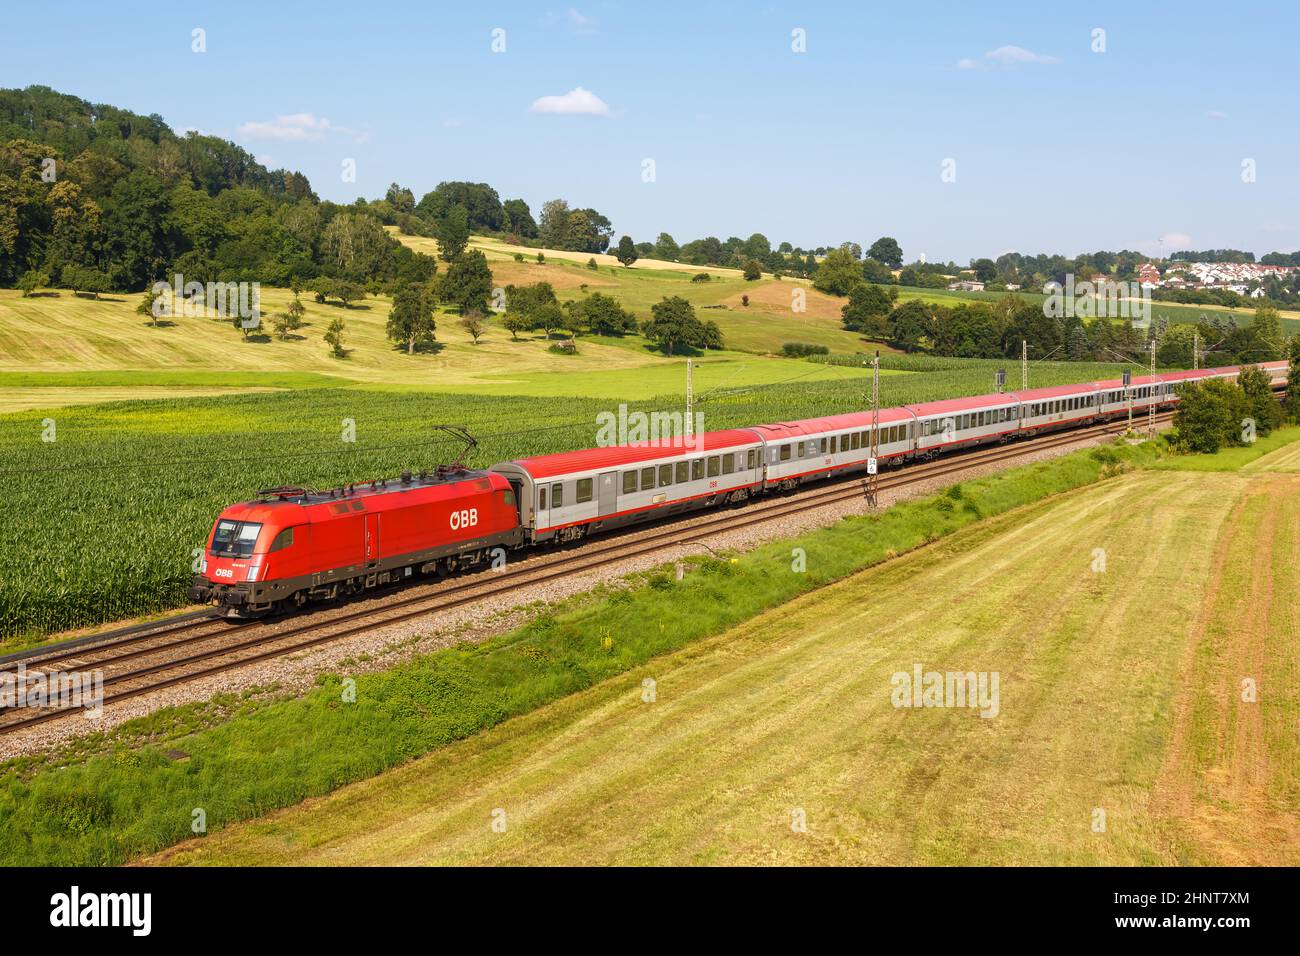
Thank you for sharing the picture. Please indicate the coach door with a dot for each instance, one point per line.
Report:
(372, 539)
(608, 493)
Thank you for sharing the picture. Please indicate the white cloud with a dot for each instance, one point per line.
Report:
(1008, 56)
(1216, 114)
(580, 23)
(296, 128)
(1018, 54)
(576, 101)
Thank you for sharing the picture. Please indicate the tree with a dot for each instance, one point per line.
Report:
(838, 273)
(480, 201)
(592, 265)
(468, 283)
(877, 272)
(519, 219)
(81, 279)
(1078, 348)
(400, 198)
(32, 280)
(666, 248)
(1267, 328)
(601, 315)
(548, 318)
(886, 250)
(526, 300)
(289, 320)
(868, 309)
(452, 233)
(627, 253)
(985, 270)
(473, 324)
(238, 322)
(673, 324)
(1292, 400)
(1261, 405)
(410, 320)
(515, 323)
(1209, 415)
(355, 247)
(347, 292)
(753, 270)
(909, 325)
(147, 306)
(554, 225)
(334, 338)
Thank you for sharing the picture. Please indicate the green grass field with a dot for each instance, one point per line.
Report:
(778, 742)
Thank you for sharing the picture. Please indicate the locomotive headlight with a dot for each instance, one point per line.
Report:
(203, 566)
(254, 568)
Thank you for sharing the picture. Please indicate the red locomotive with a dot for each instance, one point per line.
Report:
(291, 546)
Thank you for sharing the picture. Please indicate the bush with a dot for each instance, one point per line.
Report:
(803, 349)
(701, 277)
(1210, 416)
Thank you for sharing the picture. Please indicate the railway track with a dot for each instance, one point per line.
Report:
(147, 658)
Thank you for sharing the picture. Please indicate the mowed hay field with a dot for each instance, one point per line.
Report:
(57, 349)
(1121, 734)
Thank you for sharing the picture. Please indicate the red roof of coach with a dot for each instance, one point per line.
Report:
(944, 406)
(616, 456)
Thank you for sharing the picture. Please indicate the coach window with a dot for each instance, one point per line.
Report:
(541, 498)
(749, 459)
(665, 475)
(683, 469)
(629, 482)
(282, 540)
(833, 437)
(697, 469)
(584, 490)
(785, 454)
(557, 495)
(728, 464)
(647, 479)
(715, 465)
(855, 441)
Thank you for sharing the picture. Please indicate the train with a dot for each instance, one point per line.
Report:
(291, 546)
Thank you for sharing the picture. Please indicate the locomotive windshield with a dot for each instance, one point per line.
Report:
(235, 539)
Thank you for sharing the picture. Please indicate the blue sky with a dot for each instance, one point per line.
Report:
(1056, 148)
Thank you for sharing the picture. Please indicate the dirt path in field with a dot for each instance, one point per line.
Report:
(1221, 778)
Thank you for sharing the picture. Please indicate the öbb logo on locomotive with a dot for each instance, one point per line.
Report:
(291, 546)
(464, 519)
